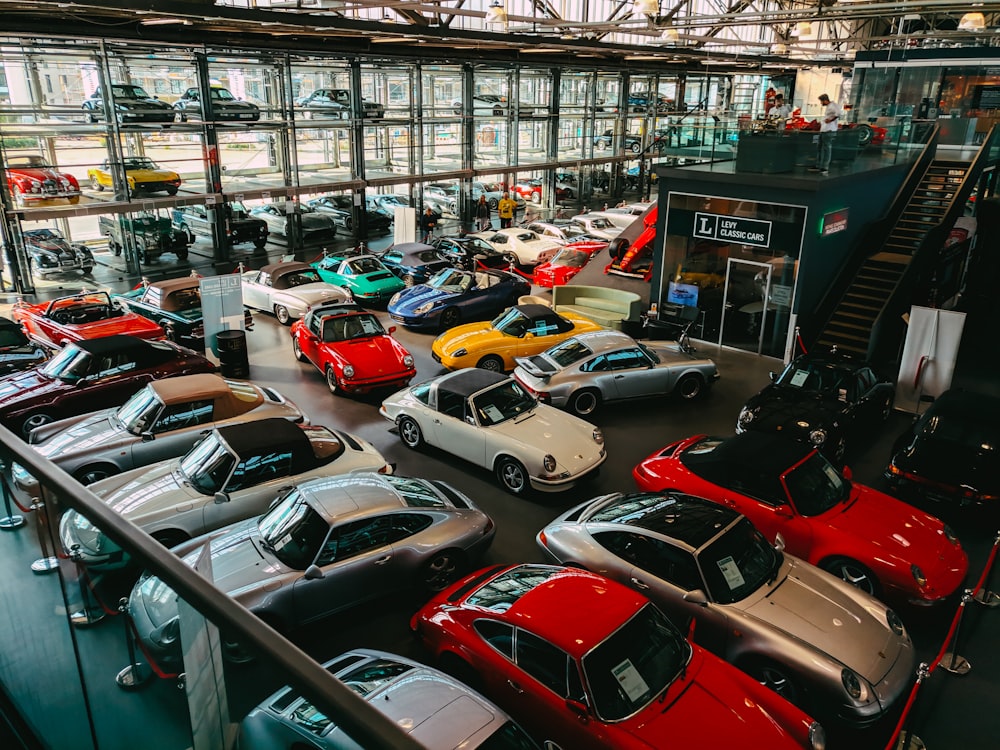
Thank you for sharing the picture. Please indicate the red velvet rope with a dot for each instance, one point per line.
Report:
(894, 738)
(798, 340)
(85, 574)
(989, 566)
(149, 659)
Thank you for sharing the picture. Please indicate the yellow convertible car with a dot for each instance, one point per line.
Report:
(143, 174)
(519, 331)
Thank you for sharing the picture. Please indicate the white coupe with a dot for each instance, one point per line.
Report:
(598, 226)
(288, 289)
(491, 420)
(521, 246)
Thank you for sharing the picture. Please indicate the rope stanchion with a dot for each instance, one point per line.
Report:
(798, 340)
(46, 563)
(902, 738)
(134, 676)
(10, 521)
(984, 595)
(950, 661)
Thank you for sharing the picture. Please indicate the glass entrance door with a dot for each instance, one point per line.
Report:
(744, 312)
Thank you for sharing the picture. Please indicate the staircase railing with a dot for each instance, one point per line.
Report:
(873, 239)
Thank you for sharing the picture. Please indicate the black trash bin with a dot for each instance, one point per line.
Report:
(234, 360)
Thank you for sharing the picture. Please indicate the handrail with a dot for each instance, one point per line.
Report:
(359, 719)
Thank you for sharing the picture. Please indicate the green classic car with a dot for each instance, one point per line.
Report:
(363, 275)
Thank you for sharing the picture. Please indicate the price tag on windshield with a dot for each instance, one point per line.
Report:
(630, 680)
(494, 414)
(731, 571)
(799, 378)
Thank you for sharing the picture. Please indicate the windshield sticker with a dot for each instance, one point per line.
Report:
(630, 680)
(731, 571)
(832, 474)
(493, 413)
(799, 378)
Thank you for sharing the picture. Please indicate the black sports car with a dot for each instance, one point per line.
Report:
(224, 105)
(50, 252)
(949, 454)
(413, 262)
(822, 399)
(470, 253)
(341, 209)
(17, 351)
(129, 104)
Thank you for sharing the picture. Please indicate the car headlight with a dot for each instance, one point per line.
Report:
(394, 299)
(817, 736)
(598, 436)
(408, 361)
(549, 462)
(918, 575)
(85, 533)
(20, 474)
(894, 622)
(852, 684)
(817, 437)
(949, 534)
(348, 371)
(424, 308)
(745, 418)
(167, 632)
(460, 352)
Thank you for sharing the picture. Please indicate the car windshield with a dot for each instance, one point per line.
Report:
(601, 223)
(297, 278)
(569, 351)
(138, 162)
(635, 664)
(815, 486)
(502, 592)
(738, 563)
(511, 322)
(208, 465)
(365, 264)
(223, 95)
(293, 531)
(394, 200)
(502, 402)
(137, 414)
(44, 234)
(129, 92)
(570, 258)
(69, 365)
(451, 280)
(814, 377)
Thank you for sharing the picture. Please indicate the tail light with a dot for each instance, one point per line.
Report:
(488, 527)
(542, 539)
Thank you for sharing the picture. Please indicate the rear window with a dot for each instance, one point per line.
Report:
(243, 391)
(501, 593)
(416, 493)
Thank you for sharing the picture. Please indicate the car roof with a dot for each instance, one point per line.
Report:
(107, 344)
(188, 387)
(534, 312)
(277, 269)
(410, 248)
(686, 518)
(172, 285)
(355, 494)
(274, 434)
(604, 340)
(831, 359)
(967, 406)
(749, 450)
(470, 380)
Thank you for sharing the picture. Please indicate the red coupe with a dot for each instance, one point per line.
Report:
(590, 664)
(531, 190)
(90, 315)
(352, 349)
(869, 539)
(562, 267)
(31, 178)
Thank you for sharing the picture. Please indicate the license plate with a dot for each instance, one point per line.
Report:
(67, 263)
(246, 116)
(397, 318)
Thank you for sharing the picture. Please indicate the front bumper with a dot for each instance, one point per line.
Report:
(424, 321)
(396, 380)
(570, 480)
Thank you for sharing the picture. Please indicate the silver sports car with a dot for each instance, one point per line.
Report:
(816, 640)
(289, 289)
(582, 372)
(328, 544)
(434, 708)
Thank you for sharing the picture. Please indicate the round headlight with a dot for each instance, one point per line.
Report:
(460, 352)
(598, 436)
(918, 575)
(348, 371)
(817, 737)
(549, 462)
(745, 417)
(851, 683)
(394, 299)
(817, 437)
(424, 308)
(894, 622)
(408, 361)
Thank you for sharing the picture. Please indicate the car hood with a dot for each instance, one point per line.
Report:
(550, 430)
(96, 430)
(311, 294)
(41, 174)
(468, 336)
(22, 387)
(143, 175)
(56, 247)
(951, 464)
(414, 296)
(20, 358)
(783, 409)
(316, 221)
(812, 607)
(147, 490)
(235, 106)
(372, 357)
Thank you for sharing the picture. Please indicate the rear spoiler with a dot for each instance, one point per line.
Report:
(529, 366)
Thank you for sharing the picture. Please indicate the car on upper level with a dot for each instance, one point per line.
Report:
(822, 399)
(494, 192)
(519, 331)
(454, 295)
(590, 369)
(129, 104)
(142, 174)
(361, 274)
(289, 289)
(491, 421)
(815, 640)
(88, 375)
(195, 221)
(336, 104)
(470, 253)
(352, 349)
(885, 547)
(483, 104)
(175, 304)
(328, 544)
(50, 252)
(531, 190)
(17, 351)
(311, 227)
(627, 142)
(387, 203)
(521, 247)
(32, 180)
(148, 233)
(589, 664)
(341, 208)
(90, 315)
(432, 707)
(225, 106)
(236, 471)
(413, 262)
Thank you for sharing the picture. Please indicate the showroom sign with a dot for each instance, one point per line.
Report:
(732, 229)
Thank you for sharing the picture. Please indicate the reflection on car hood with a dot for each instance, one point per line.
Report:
(95, 431)
(316, 221)
(311, 294)
(952, 464)
(238, 562)
(17, 390)
(415, 296)
(20, 358)
(147, 490)
(783, 408)
(549, 430)
(473, 336)
(372, 357)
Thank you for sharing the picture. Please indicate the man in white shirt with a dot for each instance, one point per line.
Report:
(780, 111)
(827, 129)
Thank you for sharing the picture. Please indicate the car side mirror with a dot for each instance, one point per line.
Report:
(697, 597)
(221, 497)
(772, 375)
(392, 330)
(784, 511)
(469, 419)
(579, 708)
(847, 473)
(313, 573)
(779, 542)
(147, 436)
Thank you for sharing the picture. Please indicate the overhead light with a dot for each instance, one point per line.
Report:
(803, 30)
(913, 17)
(495, 14)
(175, 21)
(669, 35)
(780, 49)
(646, 8)
(972, 22)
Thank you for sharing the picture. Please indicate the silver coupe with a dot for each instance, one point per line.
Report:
(288, 289)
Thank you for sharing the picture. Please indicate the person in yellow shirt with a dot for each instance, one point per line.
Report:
(505, 210)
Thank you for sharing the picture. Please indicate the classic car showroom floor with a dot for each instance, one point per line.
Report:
(950, 711)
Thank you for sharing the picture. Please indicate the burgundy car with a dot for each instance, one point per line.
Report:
(31, 178)
(89, 375)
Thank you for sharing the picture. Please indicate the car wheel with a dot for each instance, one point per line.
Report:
(96, 184)
(511, 259)
(35, 420)
(450, 317)
(115, 248)
(490, 362)
(493, 204)
(74, 200)
(143, 258)
(854, 573)
(601, 145)
(584, 403)
(331, 381)
(409, 433)
(865, 135)
(171, 190)
(91, 117)
(441, 571)
(260, 244)
(777, 678)
(689, 387)
(282, 314)
(171, 537)
(513, 476)
(568, 194)
(348, 224)
(409, 280)
(94, 473)
(86, 269)
(297, 350)
(536, 197)
(182, 254)
(634, 147)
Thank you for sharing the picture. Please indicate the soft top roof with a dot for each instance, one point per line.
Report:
(470, 380)
(534, 312)
(107, 344)
(209, 386)
(274, 434)
(280, 269)
(172, 285)
(968, 406)
(752, 458)
(409, 248)
(686, 518)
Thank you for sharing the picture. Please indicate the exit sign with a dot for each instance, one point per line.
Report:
(833, 222)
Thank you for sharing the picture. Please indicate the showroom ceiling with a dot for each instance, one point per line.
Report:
(735, 33)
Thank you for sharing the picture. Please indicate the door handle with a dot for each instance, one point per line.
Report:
(437, 421)
(515, 687)
(639, 584)
(383, 560)
(619, 377)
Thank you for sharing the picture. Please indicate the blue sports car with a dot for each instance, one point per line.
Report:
(454, 296)
(413, 262)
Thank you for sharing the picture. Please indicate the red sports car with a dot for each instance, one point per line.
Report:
(562, 267)
(90, 315)
(590, 664)
(531, 190)
(90, 375)
(31, 178)
(352, 349)
(879, 544)
(868, 135)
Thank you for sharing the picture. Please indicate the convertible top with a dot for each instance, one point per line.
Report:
(108, 344)
(275, 435)
(533, 312)
(231, 398)
(280, 269)
(749, 462)
(470, 380)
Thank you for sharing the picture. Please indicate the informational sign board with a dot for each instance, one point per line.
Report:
(221, 306)
(833, 222)
(735, 229)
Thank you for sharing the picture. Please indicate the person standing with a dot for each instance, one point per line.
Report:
(483, 220)
(827, 130)
(505, 210)
(427, 224)
(780, 111)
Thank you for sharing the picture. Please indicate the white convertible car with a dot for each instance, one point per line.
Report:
(521, 246)
(491, 420)
(288, 289)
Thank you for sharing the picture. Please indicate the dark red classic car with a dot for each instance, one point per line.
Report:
(90, 315)
(352, 349)
(31, 178)
(90, 375)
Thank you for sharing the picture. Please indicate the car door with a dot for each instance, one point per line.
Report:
(111, 380)
(311, 336)
(174, 430)
(762, 499)
(455, 429)
(633, 374)
(257, 291)
(357, 563)
(254, 484)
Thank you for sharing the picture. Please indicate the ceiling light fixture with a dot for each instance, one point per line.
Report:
(670, 35)
(174, 21)
(496, 14)
(646, 8)
(803, 30)
(972, 22)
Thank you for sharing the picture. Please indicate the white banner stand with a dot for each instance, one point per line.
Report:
(405, 224)
(928, 363)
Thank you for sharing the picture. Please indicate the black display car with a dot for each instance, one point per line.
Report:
(336, 103)
(129, 104)
(194, 221)
(341, 209)
(17, 351)
(413, 262)
(49, 252)
(225, 106)
(822, 399)
(630, 142)
(469, 253)
(950, 453)
(150, 234)
(313, 227)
